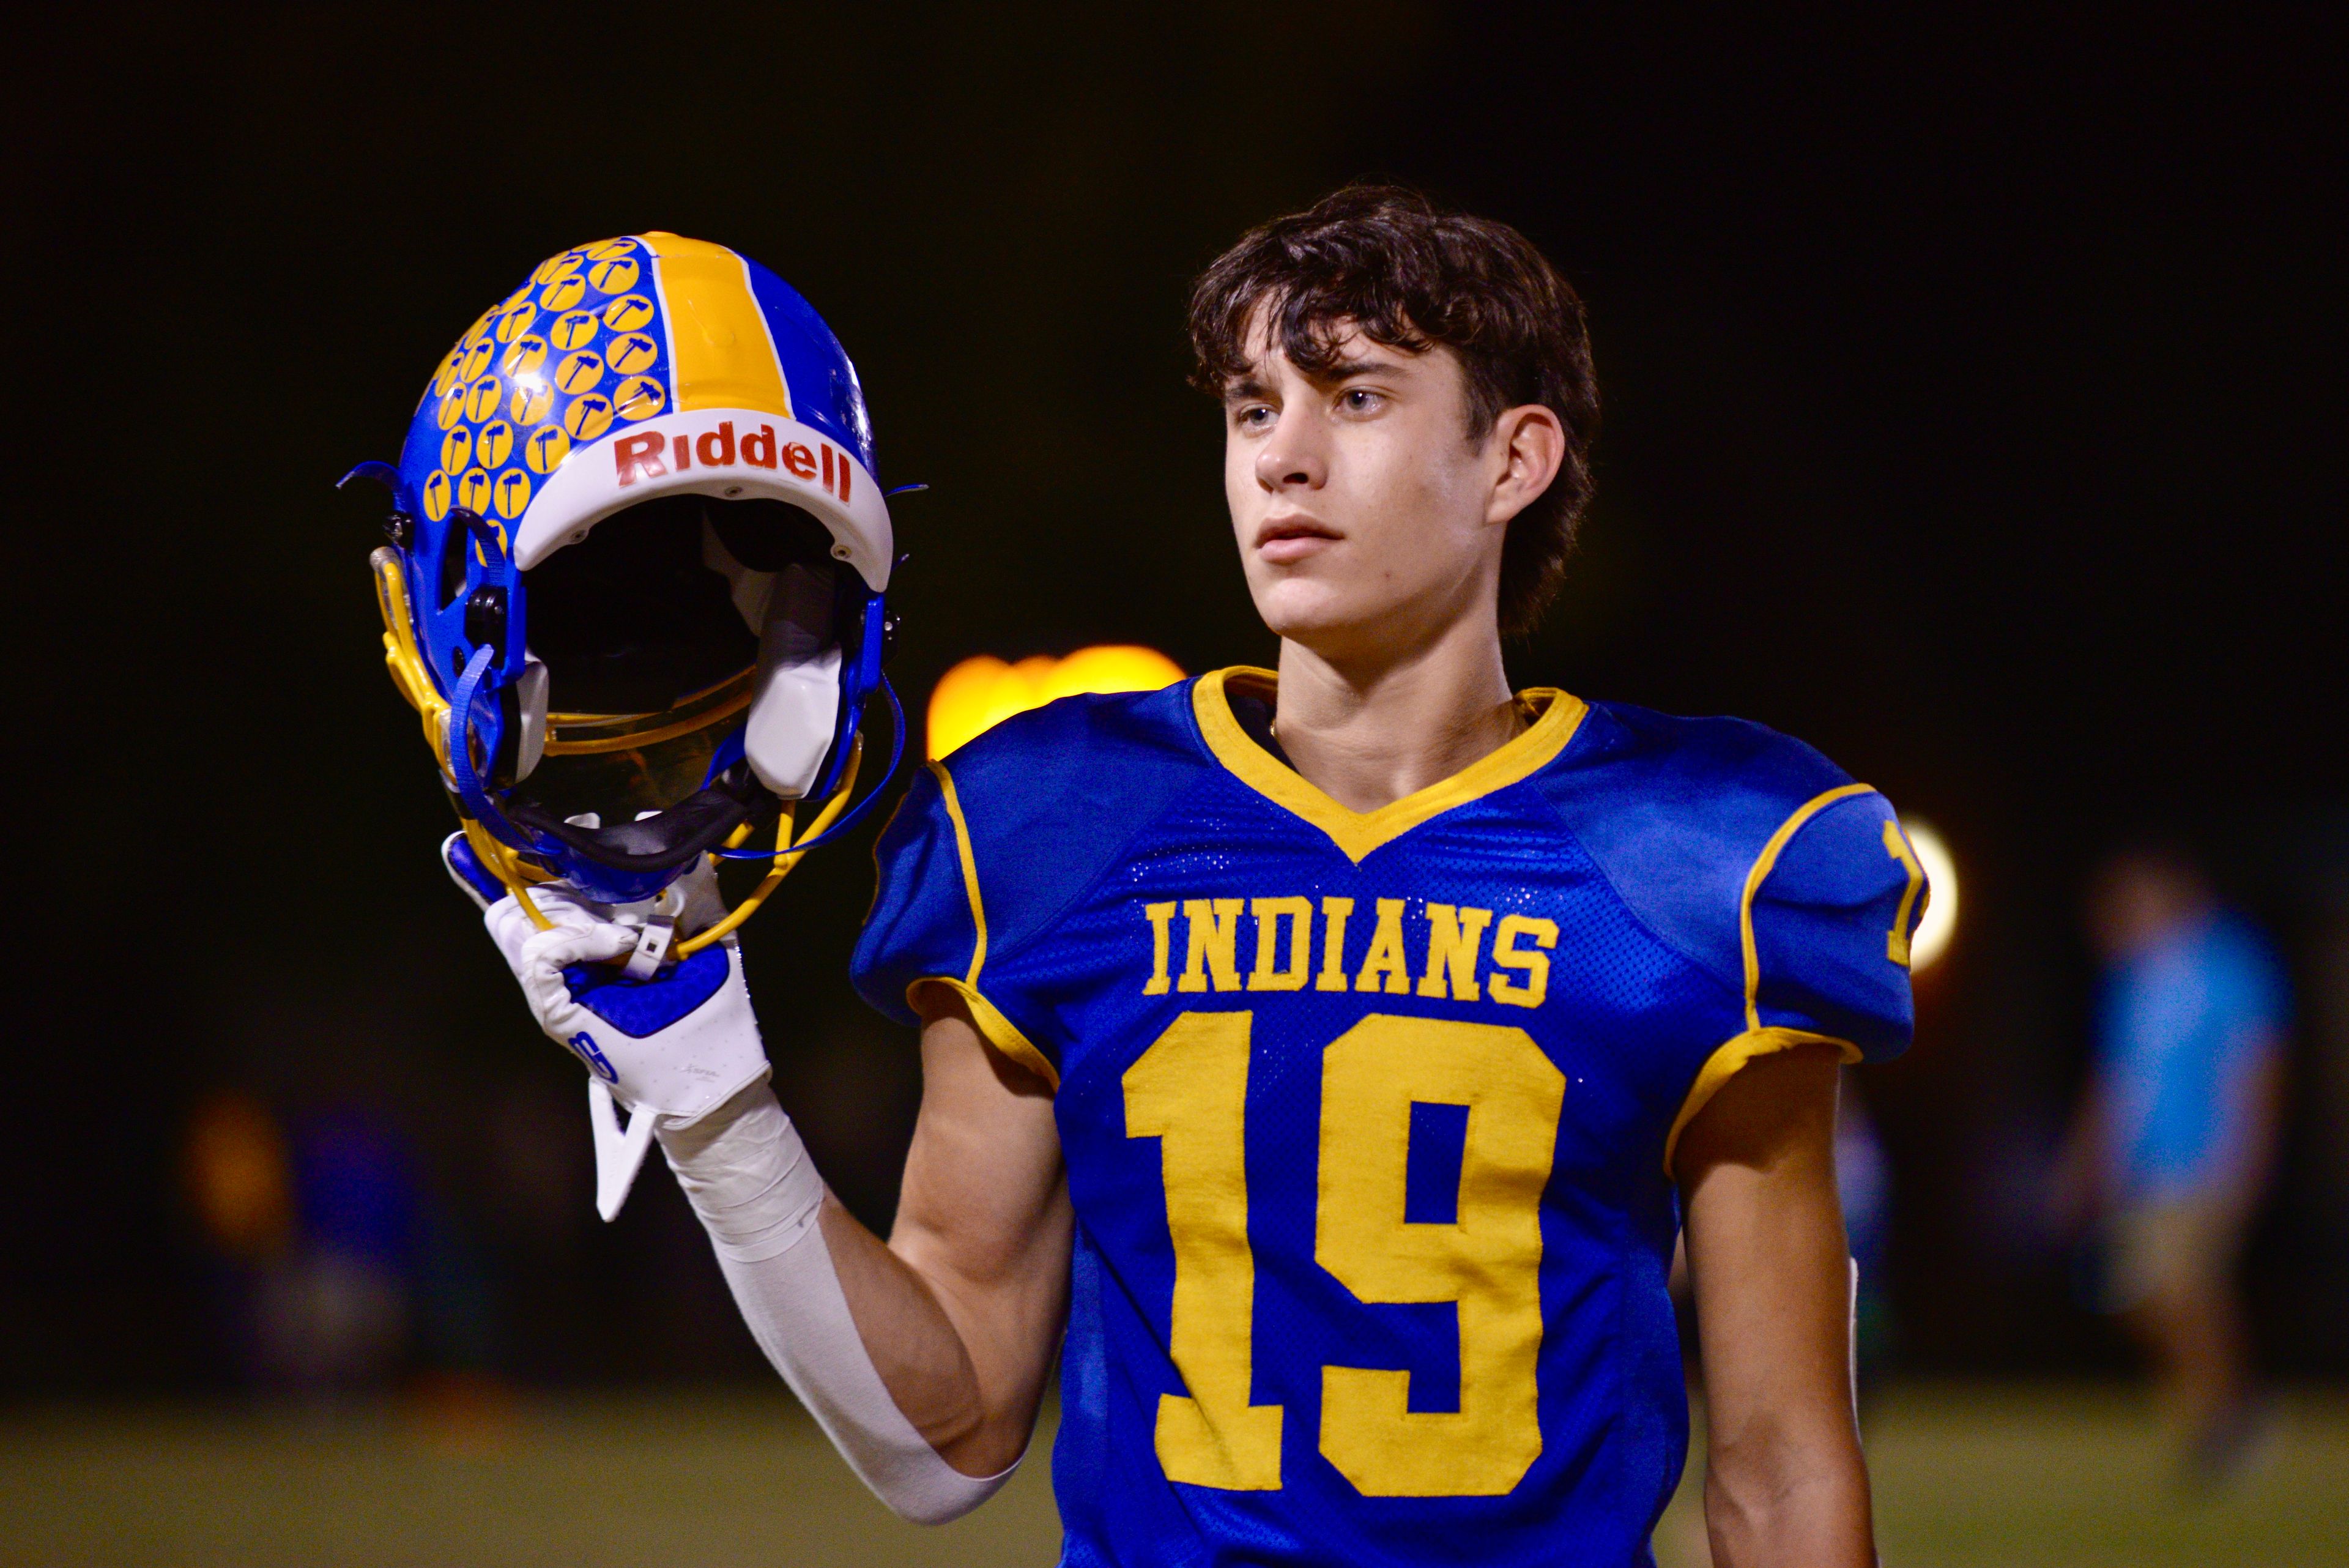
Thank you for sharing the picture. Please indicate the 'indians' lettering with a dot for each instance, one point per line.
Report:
(1288, 943)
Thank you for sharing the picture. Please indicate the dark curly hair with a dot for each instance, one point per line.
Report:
(1412, 274)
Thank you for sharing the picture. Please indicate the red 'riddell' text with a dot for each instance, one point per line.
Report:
(649, 455)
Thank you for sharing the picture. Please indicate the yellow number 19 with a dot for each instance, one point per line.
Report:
(1189, 1090)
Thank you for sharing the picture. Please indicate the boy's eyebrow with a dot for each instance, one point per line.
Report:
(1345, 369)
(1242, 388)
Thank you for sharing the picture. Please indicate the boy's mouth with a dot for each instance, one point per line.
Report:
(1291, 538)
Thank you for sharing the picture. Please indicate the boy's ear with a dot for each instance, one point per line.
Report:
(1534, 451)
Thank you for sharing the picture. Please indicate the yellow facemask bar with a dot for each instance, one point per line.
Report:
(414, 683)
(515, 874)
(586, 734)
(786, 857)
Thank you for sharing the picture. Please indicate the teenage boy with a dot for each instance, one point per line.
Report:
(1325, 1060)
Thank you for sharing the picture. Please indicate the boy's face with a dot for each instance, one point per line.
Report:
(1365, 516)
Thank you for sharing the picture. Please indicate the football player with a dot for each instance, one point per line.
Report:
(1325, 1059)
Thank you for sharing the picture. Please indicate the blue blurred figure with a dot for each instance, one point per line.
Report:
(334, 1315)
(2175, 1145)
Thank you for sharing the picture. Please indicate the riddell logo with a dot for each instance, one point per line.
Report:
(649, 455)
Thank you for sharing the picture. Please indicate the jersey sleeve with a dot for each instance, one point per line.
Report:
(1828, 920)
(921, 925)
(928, 924)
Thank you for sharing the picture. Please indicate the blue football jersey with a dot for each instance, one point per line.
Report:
(1369, 1118)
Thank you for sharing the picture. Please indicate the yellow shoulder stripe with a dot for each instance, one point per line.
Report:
(999, 1031)
(1764, 864)
(970, 869)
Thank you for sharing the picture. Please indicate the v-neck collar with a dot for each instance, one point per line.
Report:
(1554, 714)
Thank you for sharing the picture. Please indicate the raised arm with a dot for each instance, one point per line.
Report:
(924, 1358)
(1785, 1484)
(962, 1309)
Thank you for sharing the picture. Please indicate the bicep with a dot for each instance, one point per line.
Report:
(983, 1214)
(1767, 1259)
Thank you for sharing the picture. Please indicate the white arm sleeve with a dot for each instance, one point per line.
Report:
(750, 1178)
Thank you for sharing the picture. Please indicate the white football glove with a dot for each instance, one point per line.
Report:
(674, 1046)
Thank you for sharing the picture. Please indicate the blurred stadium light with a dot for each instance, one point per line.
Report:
(979, 693)
(1941, 921)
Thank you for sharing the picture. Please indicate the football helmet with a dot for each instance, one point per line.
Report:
(638, 564)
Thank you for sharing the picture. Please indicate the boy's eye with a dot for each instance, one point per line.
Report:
(1360, 400)
(1255, 417)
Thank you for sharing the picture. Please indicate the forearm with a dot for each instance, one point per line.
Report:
(954, 1353)
(1774, 1498)
(963, 1308)
(749, 1179)
(913, 1367)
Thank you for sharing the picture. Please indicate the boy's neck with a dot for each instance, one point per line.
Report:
(1368, 733)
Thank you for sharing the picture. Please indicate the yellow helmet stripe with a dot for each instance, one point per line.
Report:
(720, 353)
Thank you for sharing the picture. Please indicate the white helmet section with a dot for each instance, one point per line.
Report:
(795, 696)
(732, 454)
(739, 454)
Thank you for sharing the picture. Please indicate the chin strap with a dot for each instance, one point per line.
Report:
(787, 854)
(459, 749)
(829, 824)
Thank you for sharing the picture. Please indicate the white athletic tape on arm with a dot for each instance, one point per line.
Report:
(750, 1178)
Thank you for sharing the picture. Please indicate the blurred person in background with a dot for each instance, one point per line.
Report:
(2175, 1144)
(338, 1315)
(311, 1235)
(238, 1182)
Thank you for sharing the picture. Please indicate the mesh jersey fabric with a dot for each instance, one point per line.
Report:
(1367, 1119)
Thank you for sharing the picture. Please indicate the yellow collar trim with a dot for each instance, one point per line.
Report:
(1556, 716)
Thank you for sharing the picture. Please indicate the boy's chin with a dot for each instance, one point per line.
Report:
(1311, 614)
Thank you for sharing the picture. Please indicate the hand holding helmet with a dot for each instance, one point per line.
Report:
(674, 1046)
(677, 1043)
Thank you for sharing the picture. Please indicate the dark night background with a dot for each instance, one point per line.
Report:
(1972, 412)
